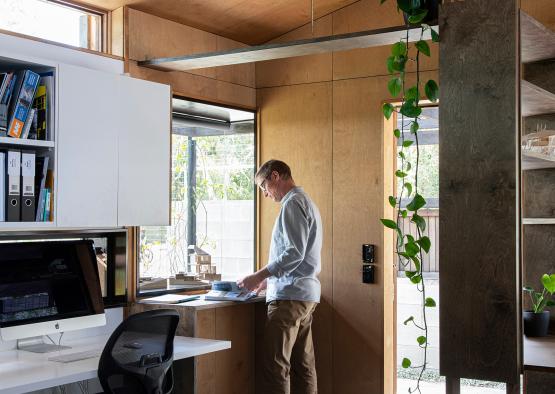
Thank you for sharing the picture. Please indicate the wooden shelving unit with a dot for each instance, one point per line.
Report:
(538, 221)
(538, 44)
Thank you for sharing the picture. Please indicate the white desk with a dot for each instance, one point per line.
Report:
(21, 371)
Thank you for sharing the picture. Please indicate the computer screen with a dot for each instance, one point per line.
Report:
(48, 287)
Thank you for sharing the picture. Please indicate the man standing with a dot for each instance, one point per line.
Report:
(293, 288)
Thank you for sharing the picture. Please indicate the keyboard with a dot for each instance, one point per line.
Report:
(76, 356)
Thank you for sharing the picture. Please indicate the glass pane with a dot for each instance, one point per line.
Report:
(222, 195)
(51, 22)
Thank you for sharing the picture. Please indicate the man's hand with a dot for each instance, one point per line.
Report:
(261, 286)
(254, 282)
(250, 282)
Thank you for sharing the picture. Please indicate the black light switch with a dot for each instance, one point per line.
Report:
(367, 273)
(368, 253)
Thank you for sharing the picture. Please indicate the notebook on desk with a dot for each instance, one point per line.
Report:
(171, 299)
(241, 295)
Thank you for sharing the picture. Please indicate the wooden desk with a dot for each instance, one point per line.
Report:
(21, 371)
(539, 365)
(224, 372)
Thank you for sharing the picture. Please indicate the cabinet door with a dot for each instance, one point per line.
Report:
(88, 113)
(144, 154)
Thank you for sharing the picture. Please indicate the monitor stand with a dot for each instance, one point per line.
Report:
(37, 345)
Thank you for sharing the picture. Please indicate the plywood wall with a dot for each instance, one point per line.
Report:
(146, 36)
(322, 115)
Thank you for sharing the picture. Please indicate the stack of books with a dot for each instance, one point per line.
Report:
(26, 104)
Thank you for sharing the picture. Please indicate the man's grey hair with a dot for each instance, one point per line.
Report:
(270, 166)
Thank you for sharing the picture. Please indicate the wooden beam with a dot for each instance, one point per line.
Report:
(340, 42)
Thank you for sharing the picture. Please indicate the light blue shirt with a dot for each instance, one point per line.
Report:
(295, 249)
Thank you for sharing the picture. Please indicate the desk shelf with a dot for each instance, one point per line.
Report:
(25, 143)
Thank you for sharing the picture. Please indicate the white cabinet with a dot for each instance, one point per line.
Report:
(109, 144)
(89, 117)
(113, 150)
(144, 154)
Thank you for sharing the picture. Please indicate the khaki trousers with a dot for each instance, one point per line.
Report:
(289, 365)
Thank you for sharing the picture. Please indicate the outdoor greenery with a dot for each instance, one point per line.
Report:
(545, 298)
(408, 247)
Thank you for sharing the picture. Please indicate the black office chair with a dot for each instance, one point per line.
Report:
(137, 359)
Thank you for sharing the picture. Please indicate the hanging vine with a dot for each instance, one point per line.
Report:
(408, 248)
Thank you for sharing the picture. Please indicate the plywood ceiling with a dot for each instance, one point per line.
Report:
(249, 21)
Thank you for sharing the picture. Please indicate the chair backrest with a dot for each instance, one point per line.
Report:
(138, 355)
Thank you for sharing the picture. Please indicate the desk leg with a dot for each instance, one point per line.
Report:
(452, 385)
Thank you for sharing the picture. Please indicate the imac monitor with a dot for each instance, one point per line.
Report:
(46, 288)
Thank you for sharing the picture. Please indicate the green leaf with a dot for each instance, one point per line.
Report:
(399, 63)
(409, 237)
(394, 86)
(408, 5)
(387, 110)
(399, 49)
(407, 143)
(416, 279)
(402, 155)
(416, 203)
(430, 302)
(414, 127)
(408, 186)
(432, 90)
(389, 62)
(435, 36)
(392, 201)
(406, 363)
(419, 221)
(418, 16)
(404, 213)
(389, 223)
(425, 243)
(408, 320)
(410, 109)
(421, 340)
(408, 166)
(423, 47)
(397, 133)
(400, 174)
(412, 93)
(411, 249)
(549, 282)
(410, 274)
(416, 263)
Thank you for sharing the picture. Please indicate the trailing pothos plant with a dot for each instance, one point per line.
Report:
(410, 248)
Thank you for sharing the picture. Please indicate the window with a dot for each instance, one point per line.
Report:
(212, 202)
(55, 21)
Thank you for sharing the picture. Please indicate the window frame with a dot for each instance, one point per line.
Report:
(136, 241)
(104, 20)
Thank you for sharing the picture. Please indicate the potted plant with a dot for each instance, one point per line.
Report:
(536, 321)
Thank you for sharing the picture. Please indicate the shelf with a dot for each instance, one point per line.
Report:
(26, 143)
(535, 100)
(537, 41)
(538, 221)
(539, 353)
(25, 226)
(311, 46)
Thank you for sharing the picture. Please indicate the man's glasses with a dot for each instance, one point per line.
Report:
(263, 185)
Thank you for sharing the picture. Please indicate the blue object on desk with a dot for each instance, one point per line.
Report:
(223, 285)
